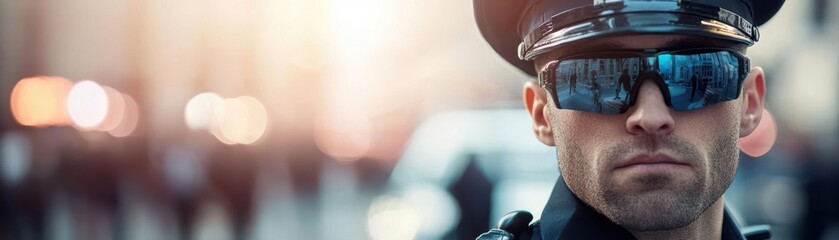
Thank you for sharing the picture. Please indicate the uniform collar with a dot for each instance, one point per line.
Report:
(566, 217)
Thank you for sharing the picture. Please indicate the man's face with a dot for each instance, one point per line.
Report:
(684, 161)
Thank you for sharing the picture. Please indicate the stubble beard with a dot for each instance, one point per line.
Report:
(661, 208)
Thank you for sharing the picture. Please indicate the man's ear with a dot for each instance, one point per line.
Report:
(754, 92)
(536, 103)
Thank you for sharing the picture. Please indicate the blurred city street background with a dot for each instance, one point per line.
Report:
(331, 119)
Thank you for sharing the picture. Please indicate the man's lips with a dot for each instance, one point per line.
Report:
(649, 159)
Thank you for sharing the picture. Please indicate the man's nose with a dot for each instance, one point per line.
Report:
(650, 114)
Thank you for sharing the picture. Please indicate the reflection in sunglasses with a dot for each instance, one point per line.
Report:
(605, 85)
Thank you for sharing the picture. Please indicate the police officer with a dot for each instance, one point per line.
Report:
(654, 168)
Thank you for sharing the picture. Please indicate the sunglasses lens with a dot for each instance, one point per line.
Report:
(605, 83)
(697, 80)
(600, 85)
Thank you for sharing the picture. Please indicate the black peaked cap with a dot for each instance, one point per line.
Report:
(503, 23)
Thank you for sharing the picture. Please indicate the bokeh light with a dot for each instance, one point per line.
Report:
(40, 101)
(130, 118)
(87, 104)
(256, 120)
(760, 141)
(437, 210)
(240, 120)
(198, 112)
(232, 119)
(345, 139)
(390, 218)
(116, 110)
(216, 130)
(421, 211)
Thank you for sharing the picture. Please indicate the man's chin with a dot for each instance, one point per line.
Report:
(655, 210)
(657, 185)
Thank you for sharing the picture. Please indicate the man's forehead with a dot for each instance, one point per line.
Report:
(639, 42)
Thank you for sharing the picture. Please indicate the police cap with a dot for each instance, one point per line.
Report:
(518, 30)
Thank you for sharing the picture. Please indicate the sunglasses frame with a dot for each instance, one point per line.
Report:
(547, 74)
